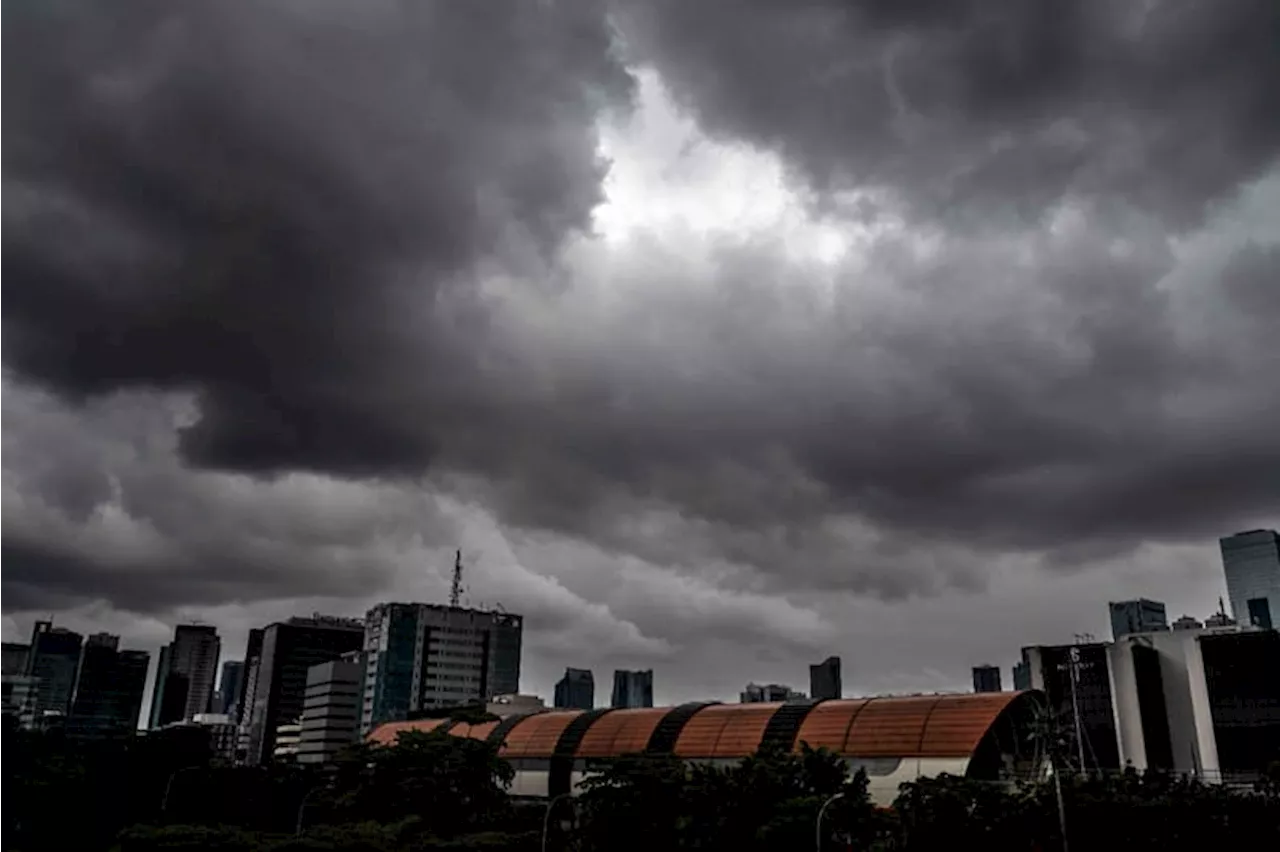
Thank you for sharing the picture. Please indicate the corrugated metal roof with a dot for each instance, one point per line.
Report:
(537, 735)
(911, 726)
(621, 732)
(725, 730)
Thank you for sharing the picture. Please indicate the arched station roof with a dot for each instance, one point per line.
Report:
(894, 726)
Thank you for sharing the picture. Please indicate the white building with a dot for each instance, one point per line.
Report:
(288, 737)
(1199, 701)
(330, 709)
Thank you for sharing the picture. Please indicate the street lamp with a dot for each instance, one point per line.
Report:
(546, 818)
(302, 807)
(168, 786)
(817, 829)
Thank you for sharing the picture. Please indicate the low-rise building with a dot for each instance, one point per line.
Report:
(331, 709)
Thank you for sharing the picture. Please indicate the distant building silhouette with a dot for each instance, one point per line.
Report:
(53, 660)
(986, 679)
(756, 693)
(1137, 616)
(577, 689)
(185, 674)
(824, 679)
(229, 686)
(632, 688)
(109, 684)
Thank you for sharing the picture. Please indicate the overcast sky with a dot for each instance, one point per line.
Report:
(719, 336)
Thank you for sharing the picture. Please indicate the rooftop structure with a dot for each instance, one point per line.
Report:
(895, 739)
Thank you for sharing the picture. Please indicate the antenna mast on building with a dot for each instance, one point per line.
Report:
(455, 592)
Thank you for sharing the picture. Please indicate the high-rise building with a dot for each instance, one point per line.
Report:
(108, 693)
(424, 656)
(274, 697)
(331, 709)
(756, 693)
(1077, 686)
(229, 686)
(824, 679)
(632, 688)
(53, 661)
(185, 674)
(1251, 561)
(252, 654)
(15, 658)
(576, 690)
(1137, 616)
(986, 679)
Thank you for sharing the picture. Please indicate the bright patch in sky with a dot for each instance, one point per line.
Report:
(666, 175)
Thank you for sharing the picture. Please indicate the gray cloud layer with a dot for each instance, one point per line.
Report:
(285, 280)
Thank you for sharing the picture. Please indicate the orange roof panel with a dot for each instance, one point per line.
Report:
(474, 732)
(725, 730)
(537, 735)
(386, 733)
(827, 724)
(890, 727)
(621, 732)
(958, 722)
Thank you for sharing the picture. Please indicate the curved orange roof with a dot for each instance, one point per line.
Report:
(387, 733)
(725, 730)
(536, 735)
(475, 732)
(621, 732)
(911, 726)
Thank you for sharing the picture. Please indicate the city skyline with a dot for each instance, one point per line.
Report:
(714, 344)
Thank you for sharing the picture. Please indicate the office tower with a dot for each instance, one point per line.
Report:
(1136, 616)
(229, 685)
(15, 658)
(756, 693)
(107, 699)
(274, 696)
(824, 679)
(248, 675)
(1077, 685)
(222, 733)
(577, 689)
(185, 674)
(1251, 561)
(53, 661)
(632, 689)
(424, 656)
(331, 709)
(986, 679)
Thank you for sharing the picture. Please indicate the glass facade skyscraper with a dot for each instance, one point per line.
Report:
(632, 689)
(1137, 616)
(1251, 561)
(576, 690)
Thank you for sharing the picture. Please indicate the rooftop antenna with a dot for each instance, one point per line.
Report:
(455, 591)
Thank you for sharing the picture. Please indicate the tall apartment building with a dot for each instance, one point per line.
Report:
(576, 690)
(1137, 616)
(53, 660)
(185, 674)
(274, 697)
(331, 709)
(107, 699)
(424, 656)
(1251, 561)
(986, 679)
(824, 679)
(632, 689)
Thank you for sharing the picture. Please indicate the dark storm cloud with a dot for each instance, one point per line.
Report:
(272, 204)
(985, 107)
(337, 227)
